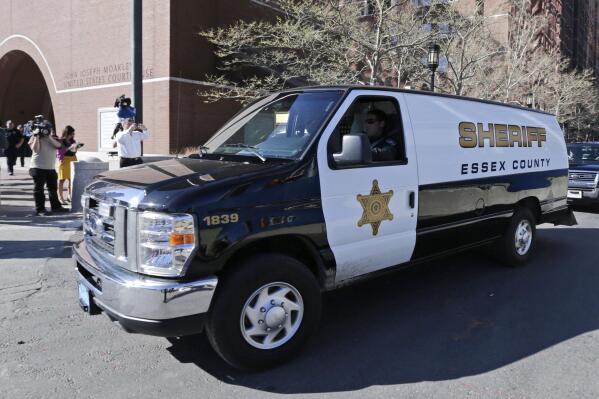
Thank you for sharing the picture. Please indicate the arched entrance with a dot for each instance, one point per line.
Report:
(23, 90)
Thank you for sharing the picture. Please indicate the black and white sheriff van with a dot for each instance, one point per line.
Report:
(307, 190)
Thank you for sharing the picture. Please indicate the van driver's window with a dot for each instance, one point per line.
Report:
(379, 119)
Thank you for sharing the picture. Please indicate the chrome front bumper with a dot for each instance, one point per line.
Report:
(588, 196)
(141, 303)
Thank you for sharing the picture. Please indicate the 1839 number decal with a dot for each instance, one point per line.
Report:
(221, 219)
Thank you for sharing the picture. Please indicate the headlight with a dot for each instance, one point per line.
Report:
(165, 243)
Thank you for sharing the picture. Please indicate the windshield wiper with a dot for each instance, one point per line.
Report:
(252, 149)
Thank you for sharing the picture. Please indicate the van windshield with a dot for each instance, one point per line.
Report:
(281, 126)
(583, 153)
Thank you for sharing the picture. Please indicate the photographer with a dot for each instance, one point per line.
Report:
(129, 142)
(44, 145)
(66, 155)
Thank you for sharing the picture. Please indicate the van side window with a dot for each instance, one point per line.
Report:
(379, 119)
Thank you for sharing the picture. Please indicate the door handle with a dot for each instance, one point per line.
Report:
(412, 199)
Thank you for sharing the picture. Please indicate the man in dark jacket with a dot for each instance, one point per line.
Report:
(383, 147)
(15, 141)
(3, 141)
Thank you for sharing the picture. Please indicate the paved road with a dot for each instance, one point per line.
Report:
(460, 327)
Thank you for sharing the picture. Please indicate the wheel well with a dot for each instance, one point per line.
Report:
(294, 246)
(533, 204)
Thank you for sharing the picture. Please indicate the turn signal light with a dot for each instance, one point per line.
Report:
(181, 239)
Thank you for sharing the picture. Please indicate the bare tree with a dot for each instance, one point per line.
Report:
(469, 51)
(530, 68)
(372, 42)
(571, 95)
(317, 42)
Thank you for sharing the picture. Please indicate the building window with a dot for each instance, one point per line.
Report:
(368, 8)
(421, 3)
(427, 3)
(480, 7)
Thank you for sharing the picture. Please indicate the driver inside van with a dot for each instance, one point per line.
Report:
(382, 146)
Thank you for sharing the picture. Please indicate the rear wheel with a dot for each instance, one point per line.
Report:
(265, 309)
(514, 248)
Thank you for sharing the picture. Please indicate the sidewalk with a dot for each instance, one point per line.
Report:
(17, 207)
(17, 190)
(29, 245)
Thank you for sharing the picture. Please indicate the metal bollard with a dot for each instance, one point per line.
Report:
(83, 173)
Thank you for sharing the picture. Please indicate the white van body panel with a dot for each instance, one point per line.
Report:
(436, 120)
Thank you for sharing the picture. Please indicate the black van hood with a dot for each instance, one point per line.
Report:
(182, 172)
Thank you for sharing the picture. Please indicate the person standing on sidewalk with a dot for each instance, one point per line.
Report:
(44, 146)
(66, 155)
(15, 141)
(3, 141)
(24, 150)
(128, 142)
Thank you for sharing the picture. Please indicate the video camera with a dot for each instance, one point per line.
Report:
(39, 126)
(122, 101)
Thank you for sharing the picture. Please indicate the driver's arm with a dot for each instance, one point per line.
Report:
(385, 152)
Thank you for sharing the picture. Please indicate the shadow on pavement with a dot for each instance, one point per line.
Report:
(35, 249)
(22, 198)
(586, 208)
(25, 216)
(447, 319)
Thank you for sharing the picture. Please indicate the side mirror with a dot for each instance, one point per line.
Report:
(355, 150)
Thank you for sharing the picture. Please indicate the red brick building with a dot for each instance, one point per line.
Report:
(572, 29)
(70, 59)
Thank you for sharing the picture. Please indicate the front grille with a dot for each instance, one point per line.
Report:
(104, 226)
(583, 176)
(110, 223)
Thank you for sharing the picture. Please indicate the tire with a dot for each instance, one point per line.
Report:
(515, 250)
(244, 295)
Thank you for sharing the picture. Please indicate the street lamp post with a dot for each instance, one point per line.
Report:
(530, 100)
(433, 62)
(136, 55)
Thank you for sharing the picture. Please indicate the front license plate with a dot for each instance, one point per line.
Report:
(574, 194)
(84, 297)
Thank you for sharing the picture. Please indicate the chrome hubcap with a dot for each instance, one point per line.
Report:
(272, 315)
(523, 237)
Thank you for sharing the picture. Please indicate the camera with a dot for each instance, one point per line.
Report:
(122, 101)
(39, 126)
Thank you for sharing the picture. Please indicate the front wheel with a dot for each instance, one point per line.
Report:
(517, 243)
(265, 309)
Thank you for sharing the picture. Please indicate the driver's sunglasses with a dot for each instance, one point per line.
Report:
(370, 121)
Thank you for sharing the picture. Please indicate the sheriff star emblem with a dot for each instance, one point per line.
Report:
(376, 207)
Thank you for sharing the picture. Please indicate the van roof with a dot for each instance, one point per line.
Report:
(348, 88)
